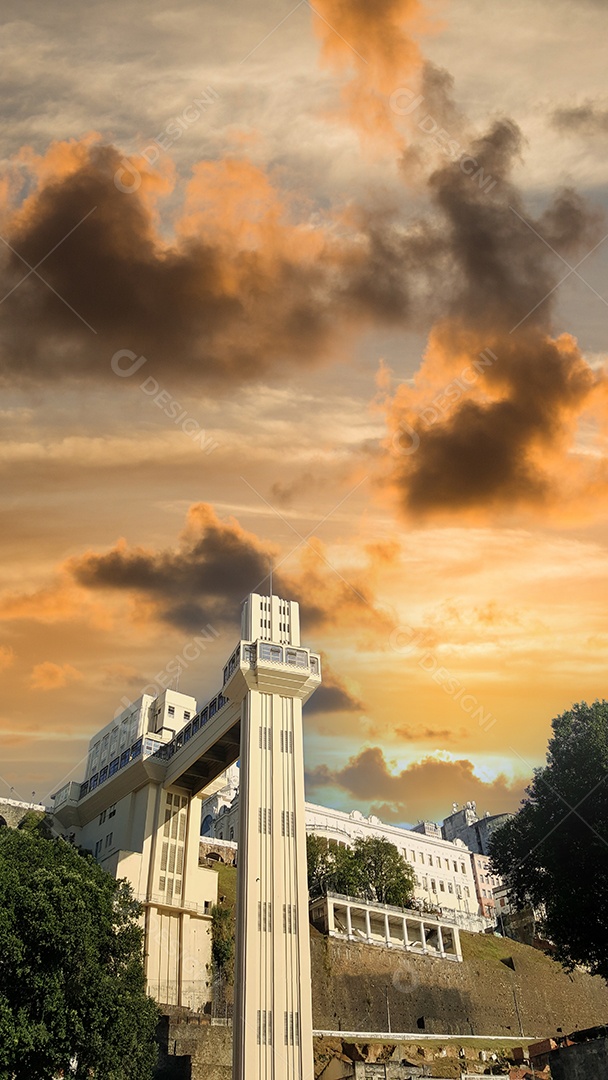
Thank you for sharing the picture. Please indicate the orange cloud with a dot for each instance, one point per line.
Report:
(49, 676)
(61, 601)
(375, 43)
(7, 657)
(425, 788)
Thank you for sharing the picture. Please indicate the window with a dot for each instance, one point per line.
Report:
(171, 710)
(98, 847)
(442, 886)
(186, 715)
(102, 817)
(450, 889)
(438, 861)
(112, 810)
(413, 854)
(459, 891)
(430, 860)
(463, 868)
(109, 838)
(297, 657)
(467, 891)
(232, 832)
(455, 867)
(433, 885)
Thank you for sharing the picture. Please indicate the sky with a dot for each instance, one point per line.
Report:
(318, 286)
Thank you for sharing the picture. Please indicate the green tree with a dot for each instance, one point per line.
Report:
(34, 821)
(72, 996)
(346, 875)
(386, 876)
(554, 851)
(318, 864)
(372, 869)
(222, 942)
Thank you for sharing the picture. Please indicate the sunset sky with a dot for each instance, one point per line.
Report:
(323, 286)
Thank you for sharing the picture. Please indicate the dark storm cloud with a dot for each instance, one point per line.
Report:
(208, 574)
(204, 579)
(484, 440)
(590, 118)
(209, 306)
(332, 696)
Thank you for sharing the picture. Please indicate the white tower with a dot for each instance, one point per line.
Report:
(273, 1002)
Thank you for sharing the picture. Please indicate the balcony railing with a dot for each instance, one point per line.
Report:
(267, 652)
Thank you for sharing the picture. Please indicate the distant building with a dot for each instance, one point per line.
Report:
(445, 879)
(427, 828)
(485, 883)
(474, 832)
(142, 828)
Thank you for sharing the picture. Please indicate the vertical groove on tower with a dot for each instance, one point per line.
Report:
(273, 1005)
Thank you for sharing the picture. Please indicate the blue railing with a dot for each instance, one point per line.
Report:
(116, 765)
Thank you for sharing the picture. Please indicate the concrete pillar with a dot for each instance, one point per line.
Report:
(387, 929)
(331, 920)
(368, 928)
(349, 921)
(457, 948)
(423, 936)
(440, 941)
(406, 939)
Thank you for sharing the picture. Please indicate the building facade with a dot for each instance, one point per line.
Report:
(444, 873)
(141, 828)
(139, 811)
(485, 883)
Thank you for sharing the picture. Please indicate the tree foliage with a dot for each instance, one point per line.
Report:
(72, 995)
(372, 870)
(222, 941)
(554, 851)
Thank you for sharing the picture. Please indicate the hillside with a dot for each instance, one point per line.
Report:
(501, 988)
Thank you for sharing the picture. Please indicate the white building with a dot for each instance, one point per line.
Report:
(145, 830)
(444, 871)
(139, 810)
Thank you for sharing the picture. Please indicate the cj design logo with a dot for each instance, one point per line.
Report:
(406, 441)
(404, 101)
(124, 371)
(405, 981)
(127, 178)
